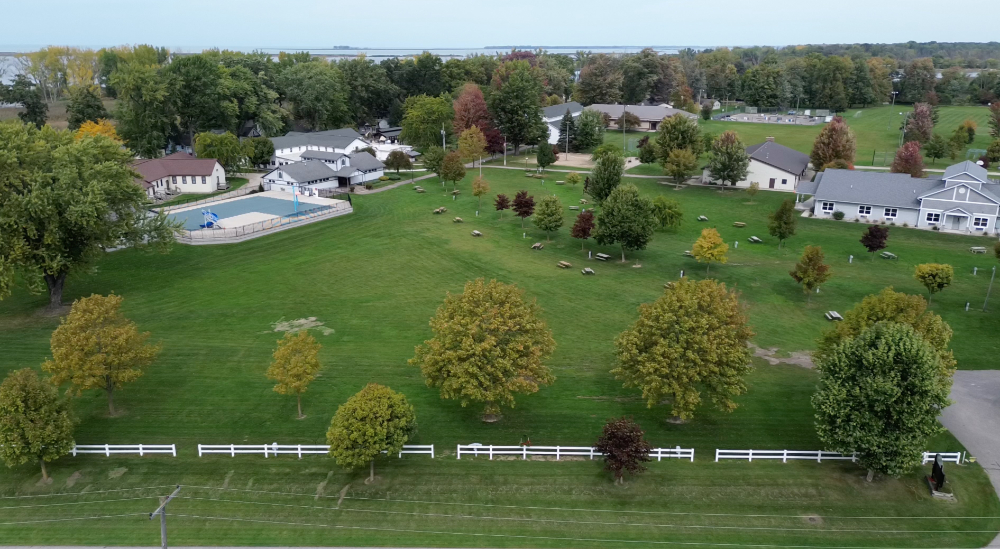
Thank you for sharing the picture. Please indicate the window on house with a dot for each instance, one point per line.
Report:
(890, 213)
(784, 181)
(204, 180)
(173, 179)
(980, 222)
(828, 206)
(864, 210)
(933, 217)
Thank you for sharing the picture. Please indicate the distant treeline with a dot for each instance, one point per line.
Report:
(162, 97)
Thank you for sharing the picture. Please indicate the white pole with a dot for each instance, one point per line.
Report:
(989, 288)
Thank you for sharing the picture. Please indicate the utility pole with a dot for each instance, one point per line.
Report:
(162, 511)
(567, 137)
(443, 144)
(624, 142)
(891, 108)
(989, 288)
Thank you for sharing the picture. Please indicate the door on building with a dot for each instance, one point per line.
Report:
(955, 221)
(770, 184)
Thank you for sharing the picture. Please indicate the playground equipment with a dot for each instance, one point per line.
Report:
(211, 220)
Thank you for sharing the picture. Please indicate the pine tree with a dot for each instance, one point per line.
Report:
(567, 132)
(782, 222)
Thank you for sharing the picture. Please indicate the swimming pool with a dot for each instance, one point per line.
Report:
(193, 219)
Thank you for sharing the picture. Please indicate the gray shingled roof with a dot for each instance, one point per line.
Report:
(644, 112)
(874, 188)
(322, 155)
(363, 160)
(339, 139)
(346, 171)
(559, 111)
(969, 167)
(779, 156)
(308, 171)
(807, 187)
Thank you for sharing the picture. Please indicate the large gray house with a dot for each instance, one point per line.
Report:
(962, 199)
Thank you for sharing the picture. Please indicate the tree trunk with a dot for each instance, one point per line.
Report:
(298, 397)
(371, 471)
(623, 254)
(708, 268)
(45, 474)
(111, 401)
(55, 284)
(871, 475)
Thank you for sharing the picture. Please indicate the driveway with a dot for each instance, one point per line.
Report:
(974, 417)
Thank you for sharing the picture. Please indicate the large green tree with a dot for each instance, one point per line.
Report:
(259, 150)
(692, 339)
(678, 132)
(627, 219)
(590, 129)
(514, 102)
(370, 93)
(197, 95)
(426, 117)
(224, 147)
(84, 105)
(600, 81)
(34, 109)
(879, 397)
(35, 423)
(144, 112)
(375, 420)
(548, 215)
(452, 168)
(606, 177)
(317, 93)
(63, 202)
(729, 161)
(489, 344)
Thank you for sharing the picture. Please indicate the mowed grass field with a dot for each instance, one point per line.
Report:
(375, 277)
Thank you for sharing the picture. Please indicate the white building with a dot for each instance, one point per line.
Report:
(773, 167)
(964, 199)
(289, 148)
(323, 170)
(180, 173)
(553, 117)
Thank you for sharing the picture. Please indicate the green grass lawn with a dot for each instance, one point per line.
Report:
(376, 277)
(234, 183)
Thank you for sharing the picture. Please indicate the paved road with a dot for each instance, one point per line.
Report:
(974, 417)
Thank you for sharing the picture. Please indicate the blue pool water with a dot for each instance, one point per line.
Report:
(193, 218)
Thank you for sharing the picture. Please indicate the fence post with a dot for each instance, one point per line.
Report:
(750, 457)
(432, 451)
(140, 450)
(232, 450)
(784, 456)
(107, 450)
(300, 451)
(173, 450)
(458, 452)
(717, 455)
(74, 450)
(557, 453)
(524, 452)
(591, 453)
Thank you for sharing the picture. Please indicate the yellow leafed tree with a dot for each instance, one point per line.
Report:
(96, 347)
(295, 366)
(101, 127)
(709, 248)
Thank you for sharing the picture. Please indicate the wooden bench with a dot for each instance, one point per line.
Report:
(564, 264)
(602, 257)
(537, 246)
(477, 233)
(978, 249)
(834, 316)
(888, 255)
(574, 207)
(755, 240)
(739, 224)
(588, 271)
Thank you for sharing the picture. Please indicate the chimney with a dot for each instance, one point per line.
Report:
(769, 139)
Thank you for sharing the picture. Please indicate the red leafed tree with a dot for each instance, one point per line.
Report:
(835, 140)
(524, 205)
(920, 124)
(875, 238)
(583, 227)
(624, 447)
(494, 140)
(470, 109)
(908, 160)
(502, 203)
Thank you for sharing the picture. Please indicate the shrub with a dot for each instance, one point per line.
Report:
(394, 177)
(905, 224)
(383, 178)
(838, 215)
(369, 185)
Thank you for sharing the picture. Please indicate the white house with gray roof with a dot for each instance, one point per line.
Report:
(773, 167)
(321, 170)
(290, 147)
(553, 117)
(963, 199)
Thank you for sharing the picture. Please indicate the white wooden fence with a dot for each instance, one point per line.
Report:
(561, 451)
(816, 455)
(276, 449)
(141, 449)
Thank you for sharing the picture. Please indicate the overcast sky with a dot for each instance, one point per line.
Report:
(189, 25)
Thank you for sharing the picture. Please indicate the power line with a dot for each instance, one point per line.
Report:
(598, 523)
(591, 510)
(70, 519)
(549, 538)
(87, 493)
(72, 503)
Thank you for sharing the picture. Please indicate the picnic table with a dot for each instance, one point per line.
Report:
(755, 240)
(588, 271)
(834, 316)
(888, 255)
(688, 253)
(441, 210)
(564, 264)
(702, 218)
(457, 220)
(739, 224)
(537, 246)
(574, 207)
(477, 233)
(978, 249)
(602, 257)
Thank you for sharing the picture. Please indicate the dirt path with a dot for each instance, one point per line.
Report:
(798, 358)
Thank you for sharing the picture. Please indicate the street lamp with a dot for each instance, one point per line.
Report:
(893, 106)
